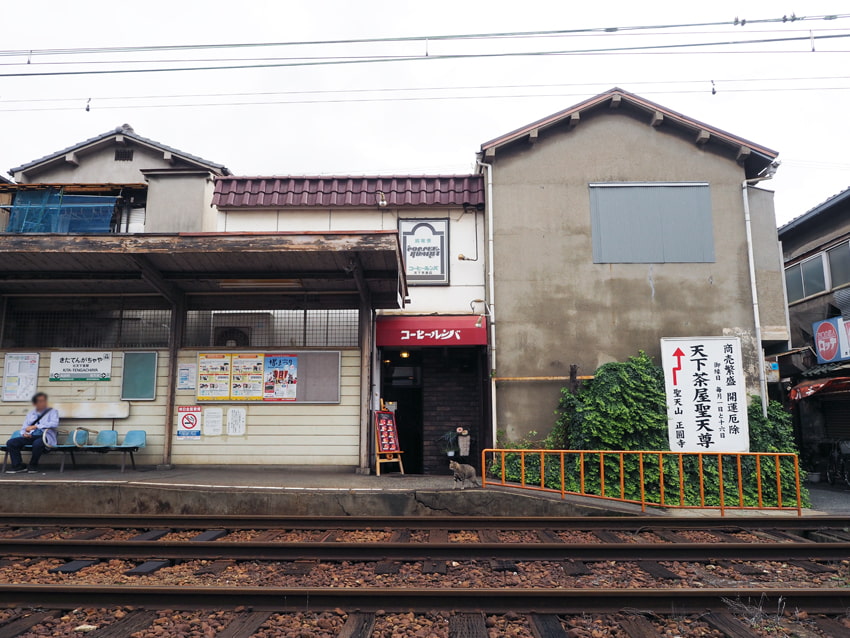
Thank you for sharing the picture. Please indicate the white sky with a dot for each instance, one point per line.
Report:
(809, 128)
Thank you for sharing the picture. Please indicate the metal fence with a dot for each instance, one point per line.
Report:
(681, 480)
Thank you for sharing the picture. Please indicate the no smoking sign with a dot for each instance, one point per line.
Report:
(189, 425)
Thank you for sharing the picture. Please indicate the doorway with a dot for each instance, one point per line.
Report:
(437, 390)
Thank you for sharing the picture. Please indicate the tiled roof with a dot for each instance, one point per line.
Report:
(127, 131)
(824, 206)
(297, 192)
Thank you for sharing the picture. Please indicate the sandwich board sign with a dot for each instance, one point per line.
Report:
(706, 394)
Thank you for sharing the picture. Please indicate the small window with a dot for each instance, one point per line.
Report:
(651, 223)
(794, 283)
(123, 154)
(839, 264)
(813, 276)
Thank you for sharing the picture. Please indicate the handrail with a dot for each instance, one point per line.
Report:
(649, 478)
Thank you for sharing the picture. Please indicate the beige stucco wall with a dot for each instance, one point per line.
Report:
(98, 167)
(769, 267)
(466, 276)
(180, 203)
(276, 434)
(555, 307)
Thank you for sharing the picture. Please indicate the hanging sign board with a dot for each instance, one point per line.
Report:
(189, 422)
(80, 366)
(706, 394)
(424, 243)
(20, 376)
(832, 340)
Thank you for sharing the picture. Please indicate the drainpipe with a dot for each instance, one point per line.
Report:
(753, 280)
(491, 296)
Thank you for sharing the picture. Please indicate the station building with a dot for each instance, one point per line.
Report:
(274, 315)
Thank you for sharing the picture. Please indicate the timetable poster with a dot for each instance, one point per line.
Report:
(386, 432)
(213, 376)
(281, 377)
(246, 377)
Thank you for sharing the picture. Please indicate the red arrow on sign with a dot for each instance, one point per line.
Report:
(678, 354)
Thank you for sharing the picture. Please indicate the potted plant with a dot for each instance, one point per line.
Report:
(449, 442)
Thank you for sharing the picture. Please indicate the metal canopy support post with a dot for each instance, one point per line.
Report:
(365, 341)
(175, 341)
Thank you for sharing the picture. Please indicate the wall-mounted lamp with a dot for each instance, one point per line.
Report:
(404, 354)
(381, 199)
(480, 321)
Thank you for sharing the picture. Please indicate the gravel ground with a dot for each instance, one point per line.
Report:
(77, 622)
(640, 537)
(306, 625)
(411, 626)
(186, 624)
(577, 536)
(519, 536)
(510, 625)
(365, 536)
(464, 536)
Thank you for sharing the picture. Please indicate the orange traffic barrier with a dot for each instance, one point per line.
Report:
(683, 480)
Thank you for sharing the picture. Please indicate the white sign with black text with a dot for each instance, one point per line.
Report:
(706, 394)
(425, 245)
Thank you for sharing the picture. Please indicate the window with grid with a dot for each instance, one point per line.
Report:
(271, 328)
(86, 329)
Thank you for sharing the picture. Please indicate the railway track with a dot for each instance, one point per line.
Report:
(415, 569)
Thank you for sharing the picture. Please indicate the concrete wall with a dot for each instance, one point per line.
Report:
(289, 434)
(97, 166)
(555, 307)
(466, 277)
(180, 203)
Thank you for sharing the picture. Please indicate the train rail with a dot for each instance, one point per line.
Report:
(467, 577)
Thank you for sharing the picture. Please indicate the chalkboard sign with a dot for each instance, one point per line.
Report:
(138, 381)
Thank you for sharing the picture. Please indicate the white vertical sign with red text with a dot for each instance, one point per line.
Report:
(706, 394)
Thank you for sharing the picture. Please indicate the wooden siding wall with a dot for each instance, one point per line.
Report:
(144, 415)
(276, 434)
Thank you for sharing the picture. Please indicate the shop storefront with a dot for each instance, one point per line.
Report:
(432, 370)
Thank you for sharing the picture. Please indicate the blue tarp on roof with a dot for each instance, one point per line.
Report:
(50, 211)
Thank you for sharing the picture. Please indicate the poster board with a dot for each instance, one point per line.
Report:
(387, 446)
(706, 394)
(282, 376)
(20, 376)
(138, 380)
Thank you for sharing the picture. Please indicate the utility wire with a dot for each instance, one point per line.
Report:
(422, 38)
(413, 89)
(458, 56)
(414, 99)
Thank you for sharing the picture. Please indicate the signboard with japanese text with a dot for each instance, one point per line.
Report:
(187, 376)
(20, 376)
(236, 418)
(706, 394)
(445, 330)
(246, 381)
(832, 341)
(189, 422)
(424, 244)
(213, 421)
(386, 433)
(80, 366)
(281, 377)
(213, 376)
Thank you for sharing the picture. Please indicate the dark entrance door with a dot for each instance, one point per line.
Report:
(438, 389)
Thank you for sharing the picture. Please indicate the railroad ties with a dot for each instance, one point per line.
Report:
(463, 575)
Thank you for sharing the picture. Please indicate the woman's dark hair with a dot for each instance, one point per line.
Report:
(37, 396)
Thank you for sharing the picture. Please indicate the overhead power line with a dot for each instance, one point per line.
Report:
(458, 56)
(737, 22)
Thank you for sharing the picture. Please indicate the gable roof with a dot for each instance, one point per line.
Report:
(350, 191)
(126, 131)
(812, 213)
(5, 180)
(754, 155)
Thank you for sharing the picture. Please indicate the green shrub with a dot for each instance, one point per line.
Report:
(624, 408)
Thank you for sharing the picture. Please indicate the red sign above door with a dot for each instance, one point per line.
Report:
(463, 330)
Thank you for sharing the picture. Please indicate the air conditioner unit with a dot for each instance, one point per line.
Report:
(240, 329)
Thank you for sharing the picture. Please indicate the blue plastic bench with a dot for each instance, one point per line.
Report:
(70, 443)
(133, 441)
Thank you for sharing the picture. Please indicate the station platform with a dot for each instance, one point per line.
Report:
(292, 491)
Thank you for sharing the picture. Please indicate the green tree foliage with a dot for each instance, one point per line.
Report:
(624, 408)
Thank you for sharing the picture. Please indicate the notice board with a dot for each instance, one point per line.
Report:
(138, 381)
(284, 376)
